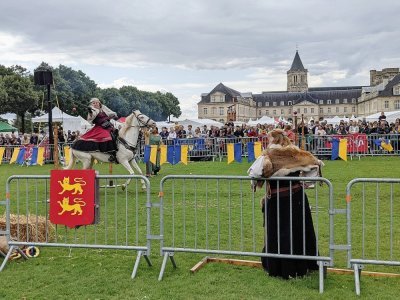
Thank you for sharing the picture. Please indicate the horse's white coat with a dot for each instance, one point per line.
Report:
(130, 133)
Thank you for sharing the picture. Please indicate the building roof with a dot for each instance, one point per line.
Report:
(226, 90)
(297, 65)
(388, 90)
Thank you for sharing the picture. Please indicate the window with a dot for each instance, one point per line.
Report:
(345, 109)
(321, 101)
(274, 112)
(267, 112)
(336, 101)
(386, 104)
(214, 111)
(353, 109)
(289, 103)
(396, 90)
(312, 110)
(328, 101)
(205, 110)
(344, 100)
(298, 110)
(217, 98)
(305, 110)
(282, 103)
(222, 120)
(282, 112)
(321, 110)
(290, 111)
(266, 103)
(337, 109)
(259, 104)
(353, 100)
(397, 104)
(329, 110)
(273, 103)
(221, 111)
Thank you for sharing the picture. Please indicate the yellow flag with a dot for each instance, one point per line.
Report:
(163, 154)
(257, 149)
(153, 154)
(67, 154)
(40, 156)
(14, 155)
(343, 149)
(387, 147)
(184, 154)
(231, 153)
(1, 153)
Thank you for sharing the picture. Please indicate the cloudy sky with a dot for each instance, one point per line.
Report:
(188, 47)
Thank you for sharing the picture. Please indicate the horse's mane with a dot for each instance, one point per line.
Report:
(126, 125)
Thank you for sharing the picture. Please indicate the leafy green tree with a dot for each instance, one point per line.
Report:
(21, 96)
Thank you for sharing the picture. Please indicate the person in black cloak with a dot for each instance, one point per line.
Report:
(285, 202)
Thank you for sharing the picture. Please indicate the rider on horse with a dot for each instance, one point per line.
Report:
(102, 137)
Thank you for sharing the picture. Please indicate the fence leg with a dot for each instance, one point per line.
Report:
(6, 258)
(139, 255)
(147, 260)
(357, 274)
(321, 276)
(164, 263)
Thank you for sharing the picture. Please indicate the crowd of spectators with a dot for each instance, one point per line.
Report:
(317, 128)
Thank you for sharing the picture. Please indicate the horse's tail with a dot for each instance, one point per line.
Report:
(71, 161)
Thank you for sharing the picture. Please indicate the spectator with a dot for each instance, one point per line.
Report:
(25, 140)
(353, 128)
(189, 132)
(164, 133)
(34, 139)
(382, 117)
(172, 134)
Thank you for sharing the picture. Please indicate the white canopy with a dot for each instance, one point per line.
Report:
(68, 122)
(262, 120)
(391, 116)
(335, 120)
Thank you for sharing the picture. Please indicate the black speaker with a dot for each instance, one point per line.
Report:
(43, 77)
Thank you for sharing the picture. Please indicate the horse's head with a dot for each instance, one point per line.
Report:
(136, 120)
(143, 120)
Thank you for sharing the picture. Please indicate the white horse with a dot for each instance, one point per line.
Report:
(127, 145)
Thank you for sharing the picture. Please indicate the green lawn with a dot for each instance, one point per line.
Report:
(103, 274)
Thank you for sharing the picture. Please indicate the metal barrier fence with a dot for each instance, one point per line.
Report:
(123, 222)
(208, 148)
(221, 215)
(372, 224)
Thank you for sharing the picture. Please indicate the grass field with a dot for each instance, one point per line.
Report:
(105, 274)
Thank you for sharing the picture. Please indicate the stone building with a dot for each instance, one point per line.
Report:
(224, 103)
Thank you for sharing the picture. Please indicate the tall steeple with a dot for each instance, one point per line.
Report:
(297, 76)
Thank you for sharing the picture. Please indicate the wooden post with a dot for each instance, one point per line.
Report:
(55, 149)
(302, 133)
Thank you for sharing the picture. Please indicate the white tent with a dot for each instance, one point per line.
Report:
(391, 116)
(262, 120)
(335, 120)
(68, 122)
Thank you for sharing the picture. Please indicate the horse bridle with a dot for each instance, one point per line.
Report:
(142, 125)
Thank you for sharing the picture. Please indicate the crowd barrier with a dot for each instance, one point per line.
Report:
(211, 215)
(123, 220)
(222, 215)
(372, 214)
(209, 148)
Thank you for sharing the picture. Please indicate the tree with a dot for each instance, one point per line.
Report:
(21, 96)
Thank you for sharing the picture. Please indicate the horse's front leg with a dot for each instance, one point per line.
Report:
(127, 166)
(136, 166)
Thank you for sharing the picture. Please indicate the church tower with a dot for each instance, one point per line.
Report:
(297, 76)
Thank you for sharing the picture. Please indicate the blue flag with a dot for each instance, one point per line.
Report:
(147, 151)
(21, 155)
(335, 149)
(238, 152)
(34, 156)
(250, 150)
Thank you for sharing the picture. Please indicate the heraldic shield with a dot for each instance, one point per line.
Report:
(72, 197)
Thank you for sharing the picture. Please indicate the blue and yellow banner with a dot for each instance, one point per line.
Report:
(254, 151)
(171, 153)
(339, 149)
(385, 144)
(234, 152)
